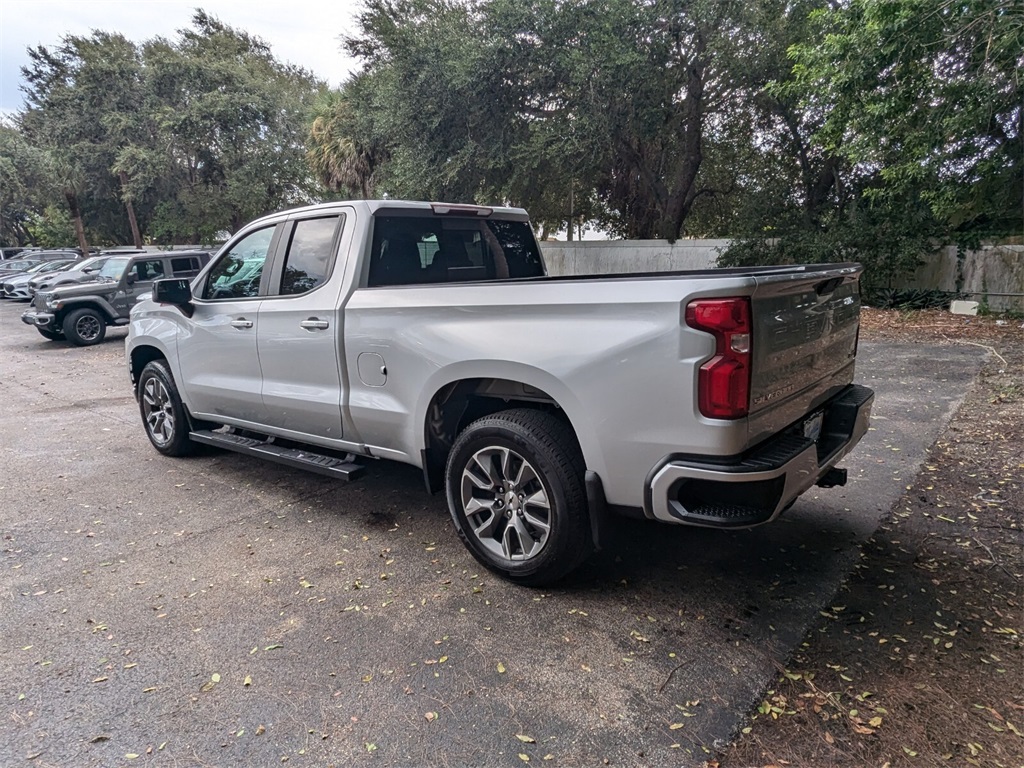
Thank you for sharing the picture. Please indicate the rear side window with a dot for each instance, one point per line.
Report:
(183, 266)
(308, 260)
(409, 250)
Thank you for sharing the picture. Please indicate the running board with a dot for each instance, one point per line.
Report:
(292, 457)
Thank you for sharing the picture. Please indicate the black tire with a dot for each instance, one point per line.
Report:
(85, 327)
(51, 335)
(163, 414)
(516, 494)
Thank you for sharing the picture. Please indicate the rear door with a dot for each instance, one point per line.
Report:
(299, 339)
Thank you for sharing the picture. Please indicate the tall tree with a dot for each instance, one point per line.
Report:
(603, 101)
(81, 96)
(906, 118)
(232, 119)
(24, 191)
(930, 96)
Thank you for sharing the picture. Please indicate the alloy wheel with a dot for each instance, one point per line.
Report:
(157, 410)
(506, 504)
(88, 327)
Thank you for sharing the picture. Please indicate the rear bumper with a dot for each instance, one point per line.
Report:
(756, 487)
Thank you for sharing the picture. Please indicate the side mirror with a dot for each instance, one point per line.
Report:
(130, 278)
(175, 291)
(89, 270)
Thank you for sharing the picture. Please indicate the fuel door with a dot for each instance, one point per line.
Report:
(372, 370)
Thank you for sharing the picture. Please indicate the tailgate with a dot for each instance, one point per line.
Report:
(805, 325)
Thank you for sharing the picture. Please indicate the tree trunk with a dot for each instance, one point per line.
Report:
(130, 207)
(685, 183)
(572, 214)
(76, 217)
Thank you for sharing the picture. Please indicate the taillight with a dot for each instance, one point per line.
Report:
(724, 380)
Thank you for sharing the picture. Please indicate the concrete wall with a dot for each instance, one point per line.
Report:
(603, 257)
(991, 269)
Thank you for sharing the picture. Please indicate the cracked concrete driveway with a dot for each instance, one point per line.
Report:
(223, 611)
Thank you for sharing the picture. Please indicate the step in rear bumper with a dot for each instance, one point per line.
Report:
(758, 486)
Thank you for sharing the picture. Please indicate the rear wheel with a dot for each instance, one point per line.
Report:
(85, 327)
(516, 494)
(163, 413)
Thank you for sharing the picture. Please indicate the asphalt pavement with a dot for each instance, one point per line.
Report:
(224, 611)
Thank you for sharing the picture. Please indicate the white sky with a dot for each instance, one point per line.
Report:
(299, 32)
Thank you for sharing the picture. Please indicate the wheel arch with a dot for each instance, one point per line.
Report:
(139, 356)
(460, 400)
(87, 302)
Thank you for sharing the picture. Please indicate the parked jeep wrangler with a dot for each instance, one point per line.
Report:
(81, 313)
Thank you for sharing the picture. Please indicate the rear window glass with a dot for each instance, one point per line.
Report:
(409, 250)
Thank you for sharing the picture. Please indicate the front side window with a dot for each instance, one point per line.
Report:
(237, 273)
(145, 271)
(308, 262)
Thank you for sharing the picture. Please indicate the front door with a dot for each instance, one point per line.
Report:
(135, 282)
(221, 362)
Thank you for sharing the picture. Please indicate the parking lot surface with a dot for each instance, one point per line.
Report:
(224, 611)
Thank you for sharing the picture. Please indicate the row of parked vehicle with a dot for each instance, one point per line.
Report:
(21, 278)
(25, 273)
(76, 297)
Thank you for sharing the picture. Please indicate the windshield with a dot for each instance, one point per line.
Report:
(78, 266)
(51, 266)
(114, 268)
(18, 266)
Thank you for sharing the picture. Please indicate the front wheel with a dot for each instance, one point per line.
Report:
(51, 335)
(163, 413)
(85, 327)
(515, 490)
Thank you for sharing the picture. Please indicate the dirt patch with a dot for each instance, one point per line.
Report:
(917, 660)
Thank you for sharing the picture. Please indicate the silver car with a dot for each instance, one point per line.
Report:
(84, 271)
(15, 285)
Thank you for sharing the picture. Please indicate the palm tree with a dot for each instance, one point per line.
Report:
(340, 161)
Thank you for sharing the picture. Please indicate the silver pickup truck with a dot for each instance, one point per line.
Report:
(430, 334)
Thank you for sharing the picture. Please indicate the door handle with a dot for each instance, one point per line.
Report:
(241, 323)
(313, 324)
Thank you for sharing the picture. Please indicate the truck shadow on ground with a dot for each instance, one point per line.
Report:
(783, 561)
